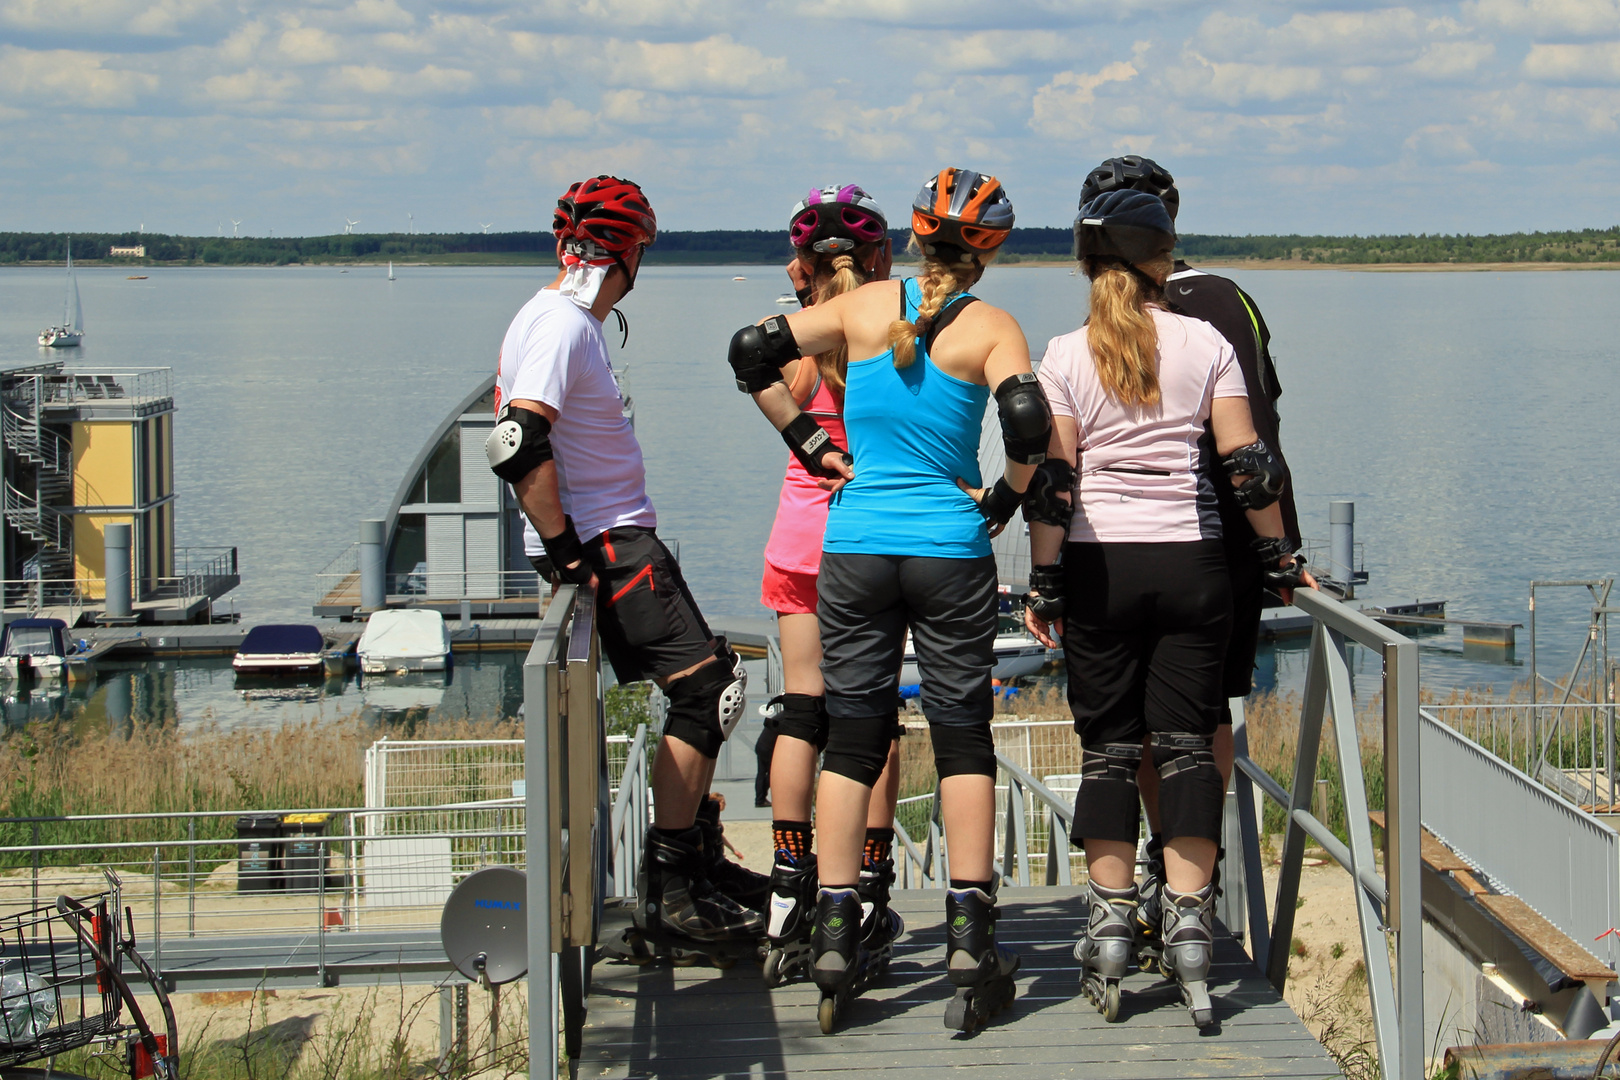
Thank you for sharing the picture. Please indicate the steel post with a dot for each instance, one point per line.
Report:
(373, 567)
(1403, 865)
(1342, 543)
(117, 547)
(540, 671)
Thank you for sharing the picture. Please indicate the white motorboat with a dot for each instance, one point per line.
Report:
(41, 646)
(404, 639)
(276, 649)
(787, 299)
(71, 330)
(1017, 654)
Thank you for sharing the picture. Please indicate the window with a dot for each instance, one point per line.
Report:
(440, 480)
(409, 551)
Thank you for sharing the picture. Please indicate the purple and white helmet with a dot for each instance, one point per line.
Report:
(833, 220)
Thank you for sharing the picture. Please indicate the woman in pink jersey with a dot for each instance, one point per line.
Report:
(841, 239)
(1142, 596)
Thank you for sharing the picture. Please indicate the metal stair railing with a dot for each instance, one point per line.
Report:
(1389, 906)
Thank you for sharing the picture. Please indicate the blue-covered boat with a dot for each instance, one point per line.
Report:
(278, 648)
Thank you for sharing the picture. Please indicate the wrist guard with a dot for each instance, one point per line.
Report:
(1286, 577)
(758, 353)
(564, 549)
(1045, 597)
(1053, 477)
(810, 442)
(999, 503)
(1271, 549)
(805, 295)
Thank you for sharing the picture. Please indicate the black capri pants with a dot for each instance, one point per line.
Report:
(1144, 638)
(866, 603)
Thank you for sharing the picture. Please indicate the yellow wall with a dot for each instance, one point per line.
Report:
(90, 549)
(103, 464)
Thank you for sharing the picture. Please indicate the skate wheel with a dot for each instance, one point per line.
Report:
(1203, 1018)
(683, 958)
(959, 1014)
(1110, 1004)
(773, 968)
(827, 1015)
(723, 961)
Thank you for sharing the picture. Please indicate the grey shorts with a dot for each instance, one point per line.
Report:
(866, 604)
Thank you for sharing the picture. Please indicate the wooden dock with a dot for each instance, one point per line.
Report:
(689, 1023)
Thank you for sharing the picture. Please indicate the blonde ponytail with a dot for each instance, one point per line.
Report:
(1124, 341)
(939, 282)
(846, 277)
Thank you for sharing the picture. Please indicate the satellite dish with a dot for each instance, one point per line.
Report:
(485, 927)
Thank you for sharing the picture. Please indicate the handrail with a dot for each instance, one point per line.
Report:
(1390, 904)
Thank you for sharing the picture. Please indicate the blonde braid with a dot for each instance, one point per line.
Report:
(938, 282)
(846, 277)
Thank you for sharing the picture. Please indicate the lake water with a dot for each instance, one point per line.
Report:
(1471, 416)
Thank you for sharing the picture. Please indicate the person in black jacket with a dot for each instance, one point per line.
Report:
(1221, 303)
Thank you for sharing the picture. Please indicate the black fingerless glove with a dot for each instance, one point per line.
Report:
(810, 442)
(1054, 476)
(1045, 597)
(565, 548)
(999, 503)
(1285, 577)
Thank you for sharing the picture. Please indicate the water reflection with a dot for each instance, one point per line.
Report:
(205, 692)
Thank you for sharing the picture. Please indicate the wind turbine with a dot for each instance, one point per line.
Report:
(219, 228)
(413, 222)
(236, 228)
(348, 228)
(485, 226)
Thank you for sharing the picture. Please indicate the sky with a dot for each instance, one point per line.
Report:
(292, 116)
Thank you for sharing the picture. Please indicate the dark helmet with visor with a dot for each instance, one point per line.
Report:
(960, 214)
(833, 220)
(1132, 226)
(1132, 172)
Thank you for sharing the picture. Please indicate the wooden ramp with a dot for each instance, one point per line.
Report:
(692, 1023)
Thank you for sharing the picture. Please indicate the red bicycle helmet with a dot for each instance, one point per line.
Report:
(611, 213)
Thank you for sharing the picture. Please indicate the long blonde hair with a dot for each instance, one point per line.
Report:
(846, 276)
(939, 281)
(1124, 341)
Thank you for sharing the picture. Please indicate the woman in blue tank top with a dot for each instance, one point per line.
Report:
(908, 547)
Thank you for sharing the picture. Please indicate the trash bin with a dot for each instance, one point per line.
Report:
(258, 866)
(306, 856)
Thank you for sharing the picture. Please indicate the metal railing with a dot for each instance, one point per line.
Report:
(1566, 747)
(1389, 905)
(339, 583)
(198, 571)
(84, 385)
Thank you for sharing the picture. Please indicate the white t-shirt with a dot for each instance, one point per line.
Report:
(1140, 474)
(554, 353)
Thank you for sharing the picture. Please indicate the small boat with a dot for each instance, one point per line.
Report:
(1017, 654)
(404, 639)
(739, 277)
(275, 649)
(71, 330)
(787, 298)
(136, 277)
(390, 269)
(42, 646)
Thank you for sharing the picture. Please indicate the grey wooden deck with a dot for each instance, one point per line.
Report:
(689, 1023)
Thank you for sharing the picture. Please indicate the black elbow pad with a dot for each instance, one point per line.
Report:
(520, 444)
(1026, 418)
(758, 353)
(1264, 472)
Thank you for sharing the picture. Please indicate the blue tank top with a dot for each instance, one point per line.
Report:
(912, 431)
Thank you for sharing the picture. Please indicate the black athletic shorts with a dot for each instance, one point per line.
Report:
(866, 603)
(1248, 594)
(1144, 636)
(648, 621)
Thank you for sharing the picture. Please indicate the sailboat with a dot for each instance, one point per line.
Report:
(390, 269)
(71, 330)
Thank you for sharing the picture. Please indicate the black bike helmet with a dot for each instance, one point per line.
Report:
(1124, 224)
(1132, 172)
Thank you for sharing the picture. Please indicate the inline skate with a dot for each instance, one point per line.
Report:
(744, 887)
(981, 970)
(1104, 951)
(881, 926)
(1150, 907)
(842, 967)
(1189, 940)
(679, 914)
(790, 917)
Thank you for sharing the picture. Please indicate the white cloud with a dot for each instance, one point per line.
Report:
(561, 118)
(155, 18)
(252, 85)
(308, 45)
(1598, 62)
(1441, 141)
(1453, 59)
(989, 50)
(1339, 38)
(1236, 83)
(715, 64)
(61, 77)
(1063, 107)
(1549, 18)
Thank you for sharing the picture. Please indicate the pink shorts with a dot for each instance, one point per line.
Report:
(788, 592)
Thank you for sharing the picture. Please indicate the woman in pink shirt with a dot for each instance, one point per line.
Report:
(1142, 597)
(841, 239)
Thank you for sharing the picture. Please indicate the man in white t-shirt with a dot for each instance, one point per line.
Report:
(563, 442)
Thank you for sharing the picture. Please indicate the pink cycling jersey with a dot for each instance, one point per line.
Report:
(801, 514)
(1142, 476)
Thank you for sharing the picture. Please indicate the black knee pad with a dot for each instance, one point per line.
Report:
(858, 747)
(800, 716)
(963, 750)
(1108, 806)
(694, 708)
(1190, 790)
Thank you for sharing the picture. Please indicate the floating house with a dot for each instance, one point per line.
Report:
(85, 448)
